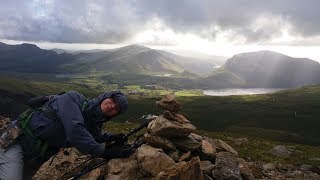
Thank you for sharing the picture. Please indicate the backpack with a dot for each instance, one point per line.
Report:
(39, 101)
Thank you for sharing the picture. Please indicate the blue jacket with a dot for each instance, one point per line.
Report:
(78, 123)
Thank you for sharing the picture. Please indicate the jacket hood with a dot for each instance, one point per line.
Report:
(93, 105)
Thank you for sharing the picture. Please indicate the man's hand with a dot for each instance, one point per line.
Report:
(121, 138)
(110, 154)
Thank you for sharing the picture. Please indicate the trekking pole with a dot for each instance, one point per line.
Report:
(77, 176)
(148, 119)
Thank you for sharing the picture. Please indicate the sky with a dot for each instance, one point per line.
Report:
(212, 27)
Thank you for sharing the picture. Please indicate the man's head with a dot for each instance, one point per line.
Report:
(115, 104)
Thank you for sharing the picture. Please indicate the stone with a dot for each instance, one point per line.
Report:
(281, 151)
(241, 141)
(206, 166)
(226, 166)
(269, 167)
(207, 149)
(124, 169)
(159, 142)
(196, 137)
(305, 167)
(186, 144)
(220, 145)
(173, 106)
(181, 119)
(174, 155)
(97, 173)
(246, 172)
(153, 160)
(167, 98)
(184, 171)
(61, 164)
(250, 170)
(185, 157)
(169, 115)
(160, 126)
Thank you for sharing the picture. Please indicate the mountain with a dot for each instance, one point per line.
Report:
(30, 58)
(271, 69)
(59, 51)
(139, 59)
(135, 59)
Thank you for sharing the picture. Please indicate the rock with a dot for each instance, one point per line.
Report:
(124, 169)
(269, 167)
(315, 169)
(154, 160)
(297, 174)
(195, 137)
(167, 98)
(206, 166)
(208, 150)
(185, 157)
(97, 173)
(241, 141)
(186, 144)
(181, 119)
(281, 151)
(113, 177)
(163, 127)
(173, 106)
(226, 166)
(61, 164)
(220, 145)
(310, 168)
(159, 142)
(305, 167)
(174, 155)
(314, 159)
(246, 172)
(169, 115)
(184, 171)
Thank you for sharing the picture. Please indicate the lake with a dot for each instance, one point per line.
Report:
(239, 91)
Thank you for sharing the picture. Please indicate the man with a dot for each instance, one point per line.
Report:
(68, 120)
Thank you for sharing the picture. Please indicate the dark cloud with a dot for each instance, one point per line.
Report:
(115, 21)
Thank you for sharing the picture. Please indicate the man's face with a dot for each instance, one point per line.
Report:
(109, 107)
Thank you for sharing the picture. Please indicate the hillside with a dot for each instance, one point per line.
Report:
(291, 115)
(134, 59)
(30, 58)
(271, 69)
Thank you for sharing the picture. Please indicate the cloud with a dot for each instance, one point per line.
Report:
(119, 21)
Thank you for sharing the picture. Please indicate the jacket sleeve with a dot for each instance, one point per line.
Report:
(69, 112)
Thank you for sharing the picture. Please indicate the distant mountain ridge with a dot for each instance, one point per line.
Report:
(129, 59)
(271, 69)
(254, 69)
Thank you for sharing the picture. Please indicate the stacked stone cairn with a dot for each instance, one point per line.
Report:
(174, 151)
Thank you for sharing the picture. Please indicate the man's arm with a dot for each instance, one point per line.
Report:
(69, 112)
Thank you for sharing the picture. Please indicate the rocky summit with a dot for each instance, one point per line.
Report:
(173, 151)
